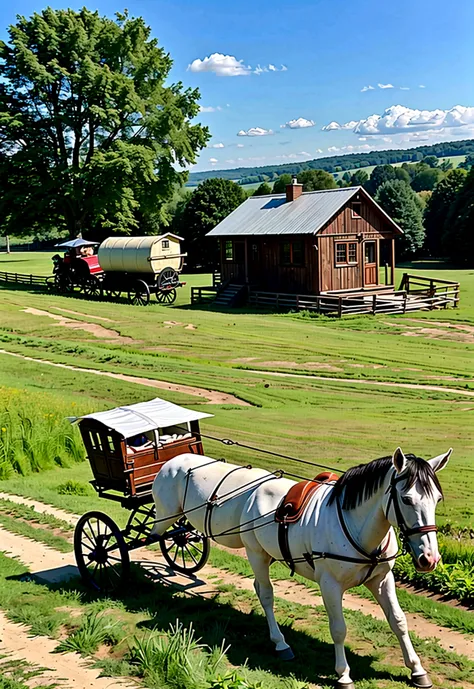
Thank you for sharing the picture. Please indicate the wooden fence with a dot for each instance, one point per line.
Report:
(420, 294)
(23, 279)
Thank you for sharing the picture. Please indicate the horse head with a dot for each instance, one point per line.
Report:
(412, 496)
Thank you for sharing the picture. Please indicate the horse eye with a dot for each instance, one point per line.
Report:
(406, 500)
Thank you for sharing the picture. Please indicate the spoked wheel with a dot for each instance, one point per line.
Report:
(63, 284)
(140, 294)
(139, 526)
(167, 279)
(92, 288)
(184, 548)
(166, 297)
(101, 553)
(113, 293)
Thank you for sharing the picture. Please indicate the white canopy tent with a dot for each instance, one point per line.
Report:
(144, 416)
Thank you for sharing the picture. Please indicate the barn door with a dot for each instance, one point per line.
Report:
(370, 264)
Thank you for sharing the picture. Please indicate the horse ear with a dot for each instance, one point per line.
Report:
(399, 460)
(438, 463)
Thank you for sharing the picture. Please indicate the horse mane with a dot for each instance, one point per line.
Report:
(359, 483)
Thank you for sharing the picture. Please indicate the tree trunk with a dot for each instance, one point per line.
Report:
(8, 244)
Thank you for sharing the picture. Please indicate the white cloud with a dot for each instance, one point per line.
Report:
(387, 139)
(421, 86)
(362, 138)
(319, 150)
(269, 68)
(386, 86)
(333, 149)
(335, 125)
(300, 123)
(404, 88)
(220, 65)
(367, 88)
(240, 145)
(213, 161)
(219, 145)
(255, 131)
(399, 118)
(304, 153)
(209, 108)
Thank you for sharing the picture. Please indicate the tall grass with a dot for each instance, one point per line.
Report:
(35, 434)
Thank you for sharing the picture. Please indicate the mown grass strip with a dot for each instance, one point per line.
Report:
(22, 528)
(14, 509)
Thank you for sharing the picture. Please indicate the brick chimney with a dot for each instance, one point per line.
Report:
(293, 190)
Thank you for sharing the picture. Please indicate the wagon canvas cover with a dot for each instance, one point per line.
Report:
(144, 416)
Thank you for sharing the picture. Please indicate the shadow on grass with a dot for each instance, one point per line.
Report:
(231, 617)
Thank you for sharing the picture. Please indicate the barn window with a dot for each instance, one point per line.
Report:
(229, 250)
(356, 209)
(292, 253)
(165, 243)
(346, 253)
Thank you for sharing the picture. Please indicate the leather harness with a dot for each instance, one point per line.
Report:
(373, 559)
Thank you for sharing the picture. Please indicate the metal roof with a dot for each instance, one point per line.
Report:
(273, 215)
(143, 417)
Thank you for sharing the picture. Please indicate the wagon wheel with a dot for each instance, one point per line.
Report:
(167, 296)
(167, 278)
(63, 284)
(113, 293)
(101, 553)
(184, 548)
(140, 294)
(92, 288)
(138, 530)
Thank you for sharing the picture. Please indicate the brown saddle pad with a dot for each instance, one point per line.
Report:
(293, 504)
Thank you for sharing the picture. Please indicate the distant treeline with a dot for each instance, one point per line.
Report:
(338, 163)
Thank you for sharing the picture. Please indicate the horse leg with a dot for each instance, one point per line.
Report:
(331, 592)
(383, 588)
(260, 563)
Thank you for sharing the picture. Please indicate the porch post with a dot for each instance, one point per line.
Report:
(246, 262)
(392, 266)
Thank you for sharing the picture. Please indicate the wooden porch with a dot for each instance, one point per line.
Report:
(416, 293)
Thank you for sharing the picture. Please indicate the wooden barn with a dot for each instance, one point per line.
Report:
(308, 242)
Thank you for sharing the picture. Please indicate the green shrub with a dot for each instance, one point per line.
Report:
(95, 629)
(455, 580)
(73, 488)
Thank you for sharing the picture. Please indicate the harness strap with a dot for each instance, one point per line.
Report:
(284, 546)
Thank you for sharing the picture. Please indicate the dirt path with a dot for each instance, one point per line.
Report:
(212, 396)
(359, 381)
(17, 644)
(91, 328)
(84, 315)
(62, 565)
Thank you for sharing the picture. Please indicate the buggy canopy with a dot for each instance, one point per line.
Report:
(75, 243)
(144, 416)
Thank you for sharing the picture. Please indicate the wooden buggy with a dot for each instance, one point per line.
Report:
(126, 448)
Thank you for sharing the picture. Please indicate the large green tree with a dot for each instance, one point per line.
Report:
(93, 135)
(458, 238)
(427, 179)
(380, 174)
(315, 180)
(401, 203)
(280, 184)
(438, 207)
(263, 190)
(210, 202)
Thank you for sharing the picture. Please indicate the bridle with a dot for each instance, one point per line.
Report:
(405, 531)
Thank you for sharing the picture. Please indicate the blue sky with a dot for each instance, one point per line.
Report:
(308, 64)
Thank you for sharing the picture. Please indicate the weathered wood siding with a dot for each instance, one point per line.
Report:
(261, 261)
(371, 225)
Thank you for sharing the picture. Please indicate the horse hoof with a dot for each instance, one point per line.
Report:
(286, 654)
(340, 685)
(421, 681)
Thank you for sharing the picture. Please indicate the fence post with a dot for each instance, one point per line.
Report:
(297, 302)
(339, 307)
(405, 297)
(374, 304)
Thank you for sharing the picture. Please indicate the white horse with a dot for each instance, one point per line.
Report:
(344, 537)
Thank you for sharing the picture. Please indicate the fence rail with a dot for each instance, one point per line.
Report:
(203, 294)
(419, 293)
(23, 279)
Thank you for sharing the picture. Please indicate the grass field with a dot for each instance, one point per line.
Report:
(315, 414)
